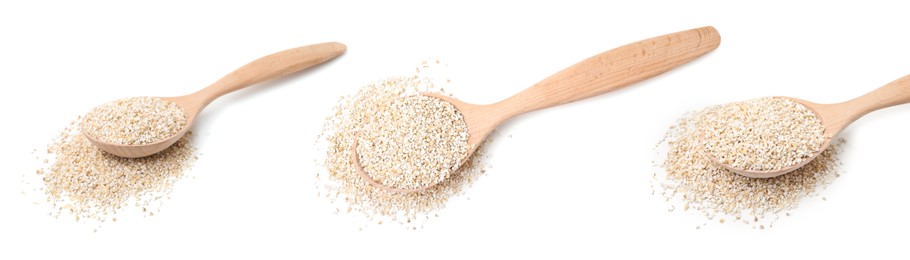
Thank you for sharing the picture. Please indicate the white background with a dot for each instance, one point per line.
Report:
(571, 182)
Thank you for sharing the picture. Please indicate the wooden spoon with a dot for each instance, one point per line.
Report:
(836, 117)
(269, 67)
(596, 75)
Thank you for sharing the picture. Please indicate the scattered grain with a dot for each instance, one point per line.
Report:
(134, 121)
(83, 181)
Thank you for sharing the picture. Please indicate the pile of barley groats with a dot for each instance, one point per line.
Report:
(763, 134)
(413, 142)
(88, 184)
(134, 121)
(767, 133)
(355, 117)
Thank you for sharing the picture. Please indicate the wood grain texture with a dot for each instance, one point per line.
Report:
(269, 67)
(602, 73)
(837, 117)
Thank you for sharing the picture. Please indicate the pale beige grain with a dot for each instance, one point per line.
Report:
(763, 134)
(344, 188)
(88, 183)
(134, 121)
(687, 176)
(414, 142)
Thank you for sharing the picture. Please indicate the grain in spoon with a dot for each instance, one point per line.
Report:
(834, 118)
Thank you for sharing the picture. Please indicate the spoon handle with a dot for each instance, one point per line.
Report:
(894, 93)
(269, 67)
(613, 70)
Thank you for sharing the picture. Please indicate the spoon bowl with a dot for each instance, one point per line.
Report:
(835, 118)
(602, 73)
(269, 67)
